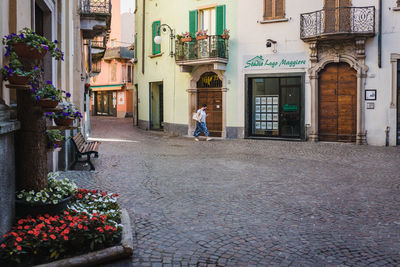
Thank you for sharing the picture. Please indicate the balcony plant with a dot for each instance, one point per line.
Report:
(15, 72)
(48, 96)
(225, 34)
(30, 45)
(54, 138)
(66, 116)
(185, 37)
(201, 35)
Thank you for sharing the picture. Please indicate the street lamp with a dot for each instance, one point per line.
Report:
(158, 38)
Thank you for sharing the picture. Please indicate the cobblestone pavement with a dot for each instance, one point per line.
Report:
(250, 202)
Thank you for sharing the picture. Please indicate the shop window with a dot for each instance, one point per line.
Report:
(156, 29)
(275, 107)
(274, 9)
(213, 20)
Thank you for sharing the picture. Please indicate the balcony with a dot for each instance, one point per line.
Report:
(210, 51)
(338, 23)
(95, 17)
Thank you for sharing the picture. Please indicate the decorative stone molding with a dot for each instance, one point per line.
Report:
(360, 48)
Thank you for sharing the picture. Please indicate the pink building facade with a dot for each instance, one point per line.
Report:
(112, 77)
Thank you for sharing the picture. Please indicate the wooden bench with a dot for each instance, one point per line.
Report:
(84, 148)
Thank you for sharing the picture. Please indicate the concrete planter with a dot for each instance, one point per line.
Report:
(124, 250)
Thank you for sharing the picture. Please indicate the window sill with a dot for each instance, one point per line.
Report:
(273, 21)
(157, 55)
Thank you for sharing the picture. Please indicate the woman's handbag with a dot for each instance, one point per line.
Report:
(196, 117)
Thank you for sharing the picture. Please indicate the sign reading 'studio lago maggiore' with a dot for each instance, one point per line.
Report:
(270, 62)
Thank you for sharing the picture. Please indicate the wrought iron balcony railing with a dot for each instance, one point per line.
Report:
(95, 7)
(213, 47)
(338, 21)
(99, 44)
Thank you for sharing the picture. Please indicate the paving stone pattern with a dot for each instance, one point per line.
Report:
(250, 202)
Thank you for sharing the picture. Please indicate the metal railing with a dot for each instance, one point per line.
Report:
(341, 20)
(99, 7)
(99, 44)
(214, 46)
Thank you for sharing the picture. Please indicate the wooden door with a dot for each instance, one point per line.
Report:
(337, 103)
(213, 99)
(337, 16)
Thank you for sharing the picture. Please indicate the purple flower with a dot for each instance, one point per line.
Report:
(36, 68)
(48, 82)
(37, 97)
(46, 47)
(55, 145)
(22, 36)
(68, 95)
(55, 41)
(53, 97)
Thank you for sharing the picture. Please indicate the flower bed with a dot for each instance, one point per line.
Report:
(92, 222)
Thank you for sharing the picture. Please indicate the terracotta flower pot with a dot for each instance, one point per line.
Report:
(58, 142)
(64, 122)
(225, 36)
(187, 39)
(19, 80)
(202, 37)
(24, 51)
(47, 103)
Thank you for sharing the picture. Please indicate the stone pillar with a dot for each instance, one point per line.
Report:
(7, 169)
(192, 98)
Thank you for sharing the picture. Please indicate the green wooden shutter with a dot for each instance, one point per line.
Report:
(221, 19)
(193, 21)
(156, 47)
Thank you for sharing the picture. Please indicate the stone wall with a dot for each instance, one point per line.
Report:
(7, 170)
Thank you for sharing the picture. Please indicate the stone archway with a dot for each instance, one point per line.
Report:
(193, 96)
(361, 69)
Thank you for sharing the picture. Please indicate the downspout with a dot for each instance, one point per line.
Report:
(380, 35)
(143, 33)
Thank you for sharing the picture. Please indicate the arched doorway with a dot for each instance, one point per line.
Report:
(209, 91)
(337, 103)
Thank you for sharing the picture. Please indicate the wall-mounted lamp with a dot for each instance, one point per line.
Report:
(158, 38)
(271, 43)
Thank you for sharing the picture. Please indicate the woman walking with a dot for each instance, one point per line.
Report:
(201, 126)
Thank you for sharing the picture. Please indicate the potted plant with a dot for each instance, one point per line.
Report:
(48, 96)
(27, 44)
(54, 138)
(201, 35)
(186, 37)
(225, 34)
(66, 116)
(15, 72)
(50, 200)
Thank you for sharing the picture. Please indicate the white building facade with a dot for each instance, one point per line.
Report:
(327, 70)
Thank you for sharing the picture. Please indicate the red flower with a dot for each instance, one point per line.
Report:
(20, 221)
(19, 248)
(53, 237)
(19, 227)
(65, 237)
(30, 232)
(80, 196)
(41, 218)
(100, 229)
(19, 239)
(80, 226)
(3, 245)
(26, 227)
(72, 225)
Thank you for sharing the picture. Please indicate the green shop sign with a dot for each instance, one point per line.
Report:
(286, 61)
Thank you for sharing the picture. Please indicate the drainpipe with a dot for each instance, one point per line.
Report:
(380, 35)
(387, 131)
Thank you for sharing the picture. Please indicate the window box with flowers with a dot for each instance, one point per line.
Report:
(185, 37)
(201, 35)
(225, 35)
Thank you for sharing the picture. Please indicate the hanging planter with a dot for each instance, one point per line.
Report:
(64, 121)
(187, 39)
(29, 52)
(48, 103)
(201, 37)
(19, 79)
